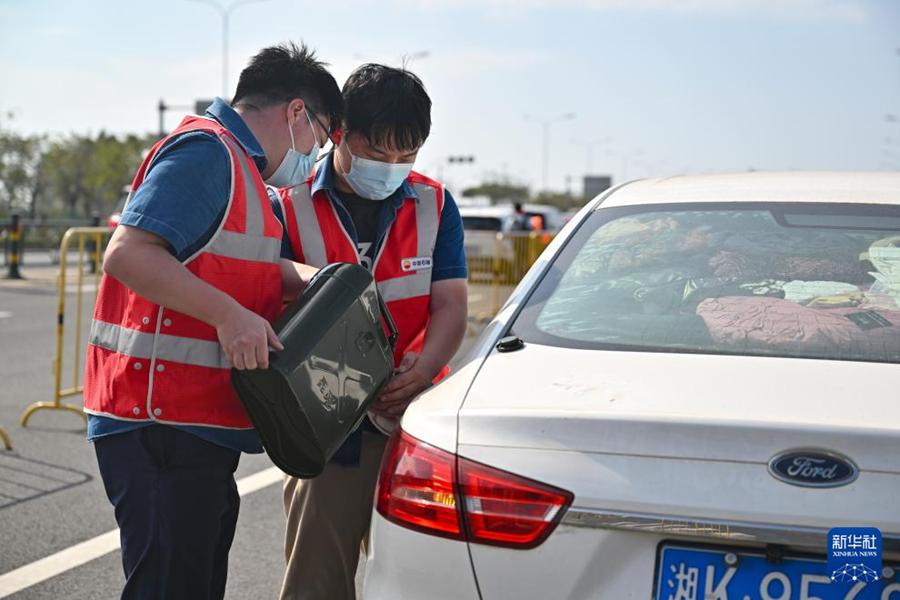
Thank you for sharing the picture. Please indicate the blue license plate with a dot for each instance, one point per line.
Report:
(702, 574)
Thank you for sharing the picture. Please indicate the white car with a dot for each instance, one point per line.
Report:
(693, 385)
(509, 253)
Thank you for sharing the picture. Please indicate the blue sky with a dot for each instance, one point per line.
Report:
(673, 86)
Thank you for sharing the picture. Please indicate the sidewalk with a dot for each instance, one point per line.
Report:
(37, 276)
(40, 272)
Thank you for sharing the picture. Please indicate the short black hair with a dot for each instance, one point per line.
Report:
(281, 73)
(388, 106)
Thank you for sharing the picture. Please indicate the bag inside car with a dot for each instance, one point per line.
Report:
(754, 281)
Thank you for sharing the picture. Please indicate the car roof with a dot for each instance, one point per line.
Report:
(486, 211)
(796, 186)
(545, 208)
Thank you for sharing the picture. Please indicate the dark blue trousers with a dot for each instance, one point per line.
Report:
(177, 506)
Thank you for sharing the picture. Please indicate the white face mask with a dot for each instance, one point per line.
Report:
(295, 167)
(374, 179)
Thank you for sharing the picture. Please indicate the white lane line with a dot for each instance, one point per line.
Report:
(259, 480)
(5, 314)
(79, 554)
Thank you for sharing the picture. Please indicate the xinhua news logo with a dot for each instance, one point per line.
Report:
(854, 555)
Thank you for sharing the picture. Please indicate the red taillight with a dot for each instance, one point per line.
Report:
(415, 488)
(430, 490)
(503, 509)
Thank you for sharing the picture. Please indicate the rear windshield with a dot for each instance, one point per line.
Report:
(793, 280)
(482, 223)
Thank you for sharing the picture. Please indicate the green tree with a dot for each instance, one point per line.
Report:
(67, 164)
(22, 172)
(112, 166)
(561, 200)
(499, 192)
(86, 175)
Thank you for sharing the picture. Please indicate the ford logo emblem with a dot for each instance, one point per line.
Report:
(809, 467)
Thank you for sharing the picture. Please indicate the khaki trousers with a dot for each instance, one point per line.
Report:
(327, 519)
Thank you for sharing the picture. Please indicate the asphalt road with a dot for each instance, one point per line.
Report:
(51, 496)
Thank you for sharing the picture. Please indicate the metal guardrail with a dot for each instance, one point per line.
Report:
(88, 239)
(512, 255)
(37, 234)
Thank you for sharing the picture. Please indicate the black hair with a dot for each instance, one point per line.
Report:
(287, 71)
(388, 106)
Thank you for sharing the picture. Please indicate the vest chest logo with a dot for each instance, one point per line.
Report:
(416, 263)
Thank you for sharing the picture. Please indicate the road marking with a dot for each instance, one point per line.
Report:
(5, 314)
(257, 481)
(79, 554)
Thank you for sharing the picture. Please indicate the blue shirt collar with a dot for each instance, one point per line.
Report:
(224, 114)
(324, 180)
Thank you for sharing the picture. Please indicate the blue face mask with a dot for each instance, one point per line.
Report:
(295, 167)
(374, 179)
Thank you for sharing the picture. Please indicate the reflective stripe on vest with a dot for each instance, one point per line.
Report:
(137, 344)
(311, 240)
(251, 245)
(419, 282)
(401, 288)
(406, 286)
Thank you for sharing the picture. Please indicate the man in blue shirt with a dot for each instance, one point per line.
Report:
(173, 486)
(368, 182)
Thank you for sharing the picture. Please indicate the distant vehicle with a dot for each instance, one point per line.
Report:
(696, 381)
(481, 224)
(569, 214)
(496, 247)
(551, 217)
(113, 220)
(512, 251)
(487, 218)
(502, 217)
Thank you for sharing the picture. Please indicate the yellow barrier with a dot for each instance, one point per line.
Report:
(496, 271)
(6, 441)
(83, 234)
(15, 240)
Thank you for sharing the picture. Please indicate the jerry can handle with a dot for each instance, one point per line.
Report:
(389, 321)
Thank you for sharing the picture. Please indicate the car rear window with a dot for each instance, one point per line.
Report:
(482, 223)
(793, 280)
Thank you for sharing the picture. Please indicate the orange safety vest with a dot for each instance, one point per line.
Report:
(146, 362)
(403, 264)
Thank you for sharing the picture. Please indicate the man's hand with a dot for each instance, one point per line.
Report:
(245, 336)
(413, 377)
(446, 328)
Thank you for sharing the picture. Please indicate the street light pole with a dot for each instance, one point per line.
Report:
(225, 13)
(162, 107)
(545, 126)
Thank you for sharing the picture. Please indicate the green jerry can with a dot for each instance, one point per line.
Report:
(339, 340)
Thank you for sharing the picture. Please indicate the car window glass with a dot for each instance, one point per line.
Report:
(481, 223)
(812, 281)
